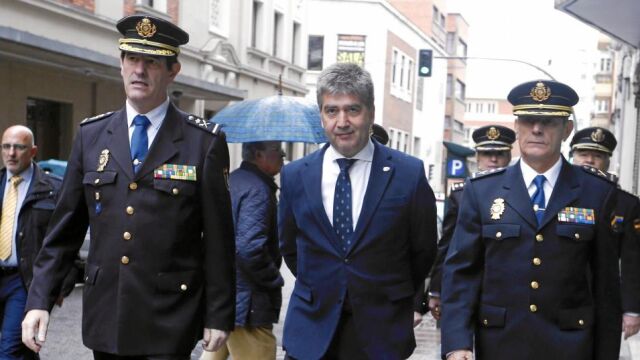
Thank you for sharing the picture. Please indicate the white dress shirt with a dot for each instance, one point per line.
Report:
(155, 116)
(359, 174)
(528, 174)
(23, 188)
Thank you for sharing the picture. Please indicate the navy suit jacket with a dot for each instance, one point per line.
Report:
(393, 248)
(529, 291)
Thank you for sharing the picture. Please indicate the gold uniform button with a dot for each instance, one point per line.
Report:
(577, 236)
(539, 238)
(183, 287)
(126, 235)
(537, 261)
(124, 260)
(580, 322)
(533, 308)
(96, 181)
(535, 285)
(498, 235)
(133, 186)
(175, 191)
(130, 210)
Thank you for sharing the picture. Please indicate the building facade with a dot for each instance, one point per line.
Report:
(60, 61)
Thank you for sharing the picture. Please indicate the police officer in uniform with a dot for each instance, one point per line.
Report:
(594, 146)
(149, 180)
(493, 151)
(531, 272)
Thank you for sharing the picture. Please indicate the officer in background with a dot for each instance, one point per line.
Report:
(532, 272)
(594, 146)
(149, 180)
(493, 151)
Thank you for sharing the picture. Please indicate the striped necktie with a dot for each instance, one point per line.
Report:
(8, 218)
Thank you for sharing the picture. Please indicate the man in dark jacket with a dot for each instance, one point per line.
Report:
(258, 296)
(28, 198)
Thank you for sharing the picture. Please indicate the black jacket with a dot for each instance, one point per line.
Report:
(258, 259)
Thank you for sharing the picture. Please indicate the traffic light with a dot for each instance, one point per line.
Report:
(424, 62)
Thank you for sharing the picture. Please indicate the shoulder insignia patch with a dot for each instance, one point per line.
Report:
(96, 118)
(208, 126)
(457, 186)
(485, 173)
(602, 174)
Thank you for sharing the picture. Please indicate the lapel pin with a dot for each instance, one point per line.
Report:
(497, 209)
(386, 168)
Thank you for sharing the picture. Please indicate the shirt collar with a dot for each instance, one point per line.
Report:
(155, 116)
(366, 154)
(528, 173)
(26, 174)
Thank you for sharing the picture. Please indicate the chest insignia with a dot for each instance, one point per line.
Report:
(577, 215)
(103, 159)
(497, 209)
(175, 172)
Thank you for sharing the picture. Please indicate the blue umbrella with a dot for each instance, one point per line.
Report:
(274, 118)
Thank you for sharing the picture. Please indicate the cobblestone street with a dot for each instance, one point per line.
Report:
(64, 341)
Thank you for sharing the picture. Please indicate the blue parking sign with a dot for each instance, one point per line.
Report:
(456, 167)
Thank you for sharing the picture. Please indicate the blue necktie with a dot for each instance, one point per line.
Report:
(139, 141)
(538, 197)
(342, 217)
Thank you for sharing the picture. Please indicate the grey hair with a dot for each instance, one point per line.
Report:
(250, 149)
(345, 79)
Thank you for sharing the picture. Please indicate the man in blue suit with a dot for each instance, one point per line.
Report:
(531, 271)
(357, 225)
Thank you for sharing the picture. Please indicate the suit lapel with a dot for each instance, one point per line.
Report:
(163, 147)
(312, 182)
(564, 192)
(517, 196)
(118, 142)
(382, 170)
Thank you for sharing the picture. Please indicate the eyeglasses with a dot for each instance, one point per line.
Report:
(17, 147)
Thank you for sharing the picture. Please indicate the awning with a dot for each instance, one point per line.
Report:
(458, 149)
(618, 18)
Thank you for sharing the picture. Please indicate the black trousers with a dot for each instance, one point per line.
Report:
(97, 355)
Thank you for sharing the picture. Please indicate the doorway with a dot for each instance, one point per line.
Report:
(46, 118)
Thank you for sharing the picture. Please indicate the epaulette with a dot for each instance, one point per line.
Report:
(208, 126)
(485, 173)
(599, 173)
(457, 186)
(96, 118)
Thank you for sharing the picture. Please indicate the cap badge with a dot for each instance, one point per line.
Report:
(493, 133)
(497, 209)
(540, 92)
(145, 28)
(597, 136)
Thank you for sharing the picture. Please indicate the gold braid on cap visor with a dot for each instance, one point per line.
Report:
(595, 147)
(530, 109)
(165, 50)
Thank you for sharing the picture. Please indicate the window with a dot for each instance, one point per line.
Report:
(416, 146)
(451, 42)
(402, 75)
(479, 107)
(277, 34)
(399, 140)
(256, 23)
(458, 126)
(218, 15)
(295, 43)
(159, 5)
(460, 90)
(316, 49)
(449, 85)
(461, 49)
(436, 15)
(602, 106)
(491, 108)
(605, 65)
